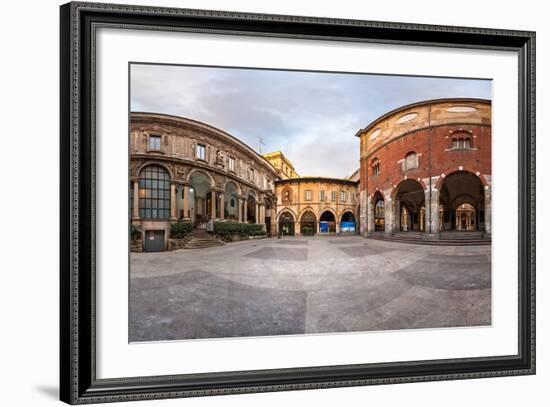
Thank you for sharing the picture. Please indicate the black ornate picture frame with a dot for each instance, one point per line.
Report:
(78, 381)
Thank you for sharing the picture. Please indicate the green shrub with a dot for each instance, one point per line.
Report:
(226, 230)
(135, 232)
(180, 229)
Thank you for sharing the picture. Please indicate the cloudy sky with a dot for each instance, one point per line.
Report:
(311, 117)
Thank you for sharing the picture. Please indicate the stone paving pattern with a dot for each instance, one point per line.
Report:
(298, 285)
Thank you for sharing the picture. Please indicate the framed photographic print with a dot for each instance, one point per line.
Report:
(255, 203)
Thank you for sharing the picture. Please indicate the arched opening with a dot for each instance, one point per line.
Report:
(410, 206)
(466, 217)
(231, 202)
(327, 222)
(286, 224)
(347, 223)
(267, 206)
(251, 209)
(375, 166)
(379, 212)
(180, 196)
(411, 161)
(200, 198)
(462, 202)
(308, 224)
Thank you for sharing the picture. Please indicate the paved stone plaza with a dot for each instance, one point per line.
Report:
(298, 285)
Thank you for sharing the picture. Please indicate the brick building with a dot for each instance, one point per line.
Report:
(426, 168)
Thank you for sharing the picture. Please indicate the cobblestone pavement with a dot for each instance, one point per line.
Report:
(298, 285)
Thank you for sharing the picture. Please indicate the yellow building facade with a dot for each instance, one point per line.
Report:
(316, 205)
(283, 166)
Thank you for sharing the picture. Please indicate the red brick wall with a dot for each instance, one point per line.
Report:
(442, 161)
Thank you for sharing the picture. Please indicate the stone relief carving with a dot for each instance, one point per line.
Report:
(220, 159)
(134, 165)
(181, 172)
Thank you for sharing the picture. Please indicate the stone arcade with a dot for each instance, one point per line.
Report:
(425, 172)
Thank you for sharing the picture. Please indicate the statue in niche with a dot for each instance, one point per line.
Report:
(219, 158)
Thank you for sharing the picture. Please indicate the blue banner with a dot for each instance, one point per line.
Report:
(347, 226)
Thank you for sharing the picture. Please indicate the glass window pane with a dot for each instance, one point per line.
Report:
(154, 200)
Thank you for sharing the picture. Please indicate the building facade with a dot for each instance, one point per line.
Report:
(316, 205)
(283, 166)
(426, 167)
(181, 169)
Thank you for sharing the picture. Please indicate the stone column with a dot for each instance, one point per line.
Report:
(245, 212)
(488, 210)
(222, 206)
(297, 230)
(262, 216)
(213, 201)
(240, 209)
(434, 210)
(365, 214)
(368, 209)
(257, 214)
(135, 209)
(186, 202)
(427, 210)
(388, 214)
(173, 201)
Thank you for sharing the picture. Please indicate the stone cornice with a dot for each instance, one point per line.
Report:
(422, 103)
(378, 148)
(199, 165)
(203, 128)
(326, 180)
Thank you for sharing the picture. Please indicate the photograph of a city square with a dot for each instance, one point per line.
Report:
(271, 202)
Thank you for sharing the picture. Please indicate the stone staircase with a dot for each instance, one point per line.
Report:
(200, 239)
(450, 238)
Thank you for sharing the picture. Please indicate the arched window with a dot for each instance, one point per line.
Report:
(461, 142)
(375, 165)
(411, 161)
(154, 193)
(287, 195)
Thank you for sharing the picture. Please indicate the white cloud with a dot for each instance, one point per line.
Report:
(312, 117)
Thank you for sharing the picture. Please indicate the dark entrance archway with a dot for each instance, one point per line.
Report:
(308, 224)
(347, 223)
(379, 212)
(251, 209)
(267, 206)
(327, 222)
(286, 224)
(200, 198)
(410, 206)
(462, 202)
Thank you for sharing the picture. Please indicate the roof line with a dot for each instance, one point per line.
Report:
(416, 104)
(305, 179)
(181, 118)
